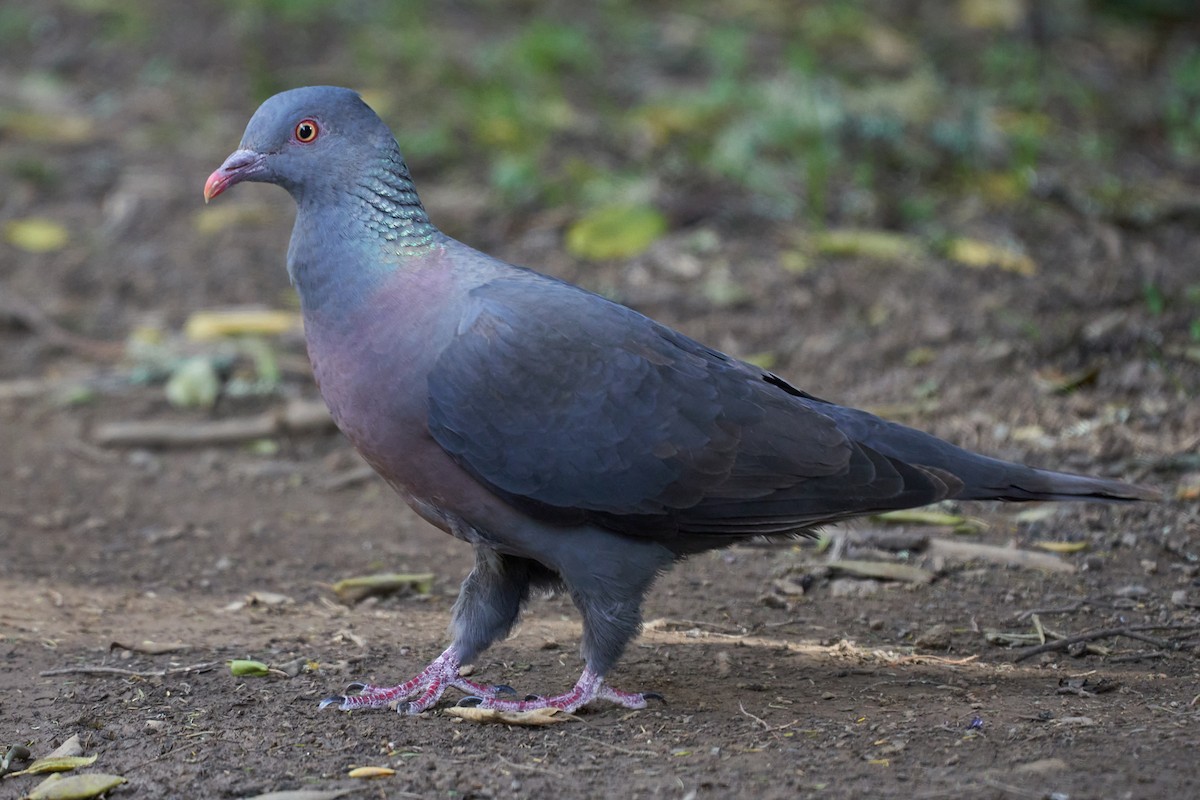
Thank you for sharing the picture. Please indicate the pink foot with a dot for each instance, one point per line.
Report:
(589, 687)
(418, 694)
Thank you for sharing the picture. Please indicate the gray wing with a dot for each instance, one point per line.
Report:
(573, 406)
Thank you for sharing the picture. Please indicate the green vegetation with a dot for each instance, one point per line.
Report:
(845, 114)
(802, 114)
(805, 112)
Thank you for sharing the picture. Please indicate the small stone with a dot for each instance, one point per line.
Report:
(935, 638)
(788, 587)
(1149, 566)
(850, 587)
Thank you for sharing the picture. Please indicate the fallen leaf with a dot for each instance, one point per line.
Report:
(1037, 513)
(207, 325)
(75, 787)
(247, 668)
(36, 234)
(352, 590)
(614, 232)
(56, 764)
(1061, 547)
(534, 718)
(876, 245)
(979, 255)
(371, 772)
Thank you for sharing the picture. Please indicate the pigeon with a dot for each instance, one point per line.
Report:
(574, 443)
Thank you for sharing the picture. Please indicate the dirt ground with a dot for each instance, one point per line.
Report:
(782, 678)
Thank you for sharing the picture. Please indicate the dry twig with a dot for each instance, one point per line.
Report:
(296, 417)
(1131, 632)
(203, 666)
(39, 322)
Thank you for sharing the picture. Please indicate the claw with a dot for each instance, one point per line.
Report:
(503, 688)
(654, 696)
(356, 686)
(470, 701)
(529, 698)
(331, 701)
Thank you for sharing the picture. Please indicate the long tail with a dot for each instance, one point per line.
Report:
(991, 479)
(981, 477)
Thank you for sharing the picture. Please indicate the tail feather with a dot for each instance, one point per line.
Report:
(980, 477)
(1003, 480)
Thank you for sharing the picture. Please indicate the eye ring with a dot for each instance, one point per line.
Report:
(306, 131)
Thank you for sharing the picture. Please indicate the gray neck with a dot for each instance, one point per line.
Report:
(390, 206)
(344, 244)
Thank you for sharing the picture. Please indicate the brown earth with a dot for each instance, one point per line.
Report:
(781, 681)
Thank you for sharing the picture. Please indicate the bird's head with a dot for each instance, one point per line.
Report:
(308, 141)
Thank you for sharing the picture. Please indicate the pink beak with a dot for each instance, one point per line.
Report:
(241, 165)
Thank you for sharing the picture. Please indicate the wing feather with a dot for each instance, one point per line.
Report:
(576, 407)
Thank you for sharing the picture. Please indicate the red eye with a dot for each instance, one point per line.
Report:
(306, 131)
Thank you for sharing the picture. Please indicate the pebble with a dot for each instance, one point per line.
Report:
(850, 587)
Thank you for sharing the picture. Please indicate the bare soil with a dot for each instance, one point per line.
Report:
(780, 680)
